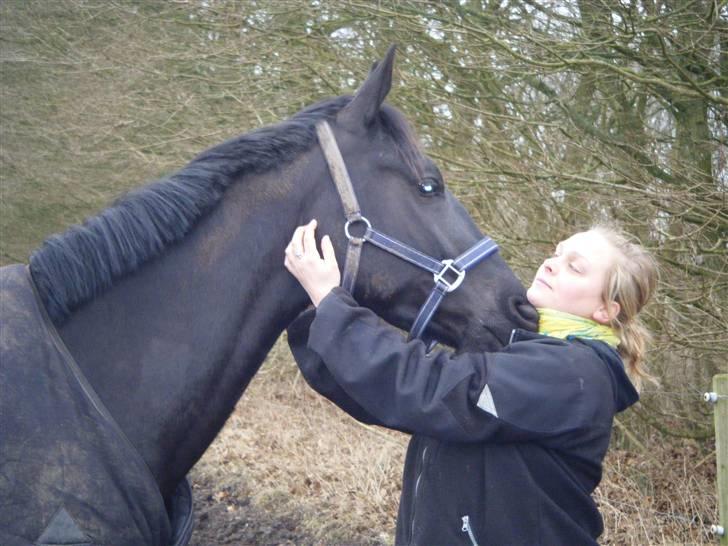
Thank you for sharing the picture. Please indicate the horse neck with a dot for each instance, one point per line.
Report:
(170, 348)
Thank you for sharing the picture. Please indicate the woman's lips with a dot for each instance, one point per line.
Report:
(547, 285)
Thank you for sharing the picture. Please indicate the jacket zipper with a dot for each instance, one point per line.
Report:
(469, 530)
(417, 486)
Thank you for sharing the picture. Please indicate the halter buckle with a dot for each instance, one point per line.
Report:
(354, 221)
(448, 267)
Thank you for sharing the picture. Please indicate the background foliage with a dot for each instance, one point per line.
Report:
(544, 115)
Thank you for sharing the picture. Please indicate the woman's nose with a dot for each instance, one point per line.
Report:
(550, 266)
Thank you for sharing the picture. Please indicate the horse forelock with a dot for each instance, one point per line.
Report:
(72, 267)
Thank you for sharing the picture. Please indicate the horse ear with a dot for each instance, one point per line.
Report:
(364, 106)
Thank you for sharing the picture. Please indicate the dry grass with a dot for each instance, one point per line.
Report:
(664, 497)
(299, 457)
(302, 457)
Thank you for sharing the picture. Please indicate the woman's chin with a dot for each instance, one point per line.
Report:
(534, 297)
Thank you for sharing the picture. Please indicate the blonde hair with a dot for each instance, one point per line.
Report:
(631, 281)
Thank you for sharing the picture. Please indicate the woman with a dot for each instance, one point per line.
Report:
(507, 446)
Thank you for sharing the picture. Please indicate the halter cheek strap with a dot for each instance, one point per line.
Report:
(338, 171)
(448, 274)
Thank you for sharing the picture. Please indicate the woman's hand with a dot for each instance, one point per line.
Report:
(317, 275)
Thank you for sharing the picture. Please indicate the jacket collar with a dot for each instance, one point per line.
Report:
(519, 334)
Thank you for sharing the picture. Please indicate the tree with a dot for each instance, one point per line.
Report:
(544, 115)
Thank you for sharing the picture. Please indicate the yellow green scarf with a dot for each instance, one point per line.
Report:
(559, 324)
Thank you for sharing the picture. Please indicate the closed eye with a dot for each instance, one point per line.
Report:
(577, 266)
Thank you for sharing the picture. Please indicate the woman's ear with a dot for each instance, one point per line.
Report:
(605, 313)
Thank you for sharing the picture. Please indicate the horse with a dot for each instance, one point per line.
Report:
(164, 305)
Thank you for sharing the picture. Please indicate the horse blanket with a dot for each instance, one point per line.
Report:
(68, 474)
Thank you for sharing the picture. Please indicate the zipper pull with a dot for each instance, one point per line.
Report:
(466, 529)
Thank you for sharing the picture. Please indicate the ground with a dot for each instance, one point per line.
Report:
(225, 514)
(290, 468)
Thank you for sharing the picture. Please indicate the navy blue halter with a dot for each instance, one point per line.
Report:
(448, 274)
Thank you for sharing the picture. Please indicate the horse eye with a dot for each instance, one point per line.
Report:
(428, 186)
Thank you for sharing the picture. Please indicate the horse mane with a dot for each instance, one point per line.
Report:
(73, 267)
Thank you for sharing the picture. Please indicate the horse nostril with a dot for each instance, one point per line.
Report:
(524, 313)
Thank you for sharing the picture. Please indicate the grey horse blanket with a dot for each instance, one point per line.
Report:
(68, 474)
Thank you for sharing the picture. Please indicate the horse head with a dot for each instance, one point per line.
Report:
(402, 193)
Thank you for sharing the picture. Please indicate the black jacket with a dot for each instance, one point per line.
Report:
(507, 447)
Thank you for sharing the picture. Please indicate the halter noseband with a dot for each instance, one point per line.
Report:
(447, 274)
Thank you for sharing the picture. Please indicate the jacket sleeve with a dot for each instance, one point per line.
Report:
(316, 373)
(549, 390)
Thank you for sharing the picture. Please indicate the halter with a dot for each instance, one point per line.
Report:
(447, 274)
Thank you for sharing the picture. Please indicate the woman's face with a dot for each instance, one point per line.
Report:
(573, 279)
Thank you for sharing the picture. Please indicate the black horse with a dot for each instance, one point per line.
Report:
(164, 306)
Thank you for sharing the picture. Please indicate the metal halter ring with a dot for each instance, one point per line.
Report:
(440, 277)
(354, 221)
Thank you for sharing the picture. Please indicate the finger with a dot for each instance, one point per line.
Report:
(328, 250)
(297, 240)
(309, 238)
(298, 237)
